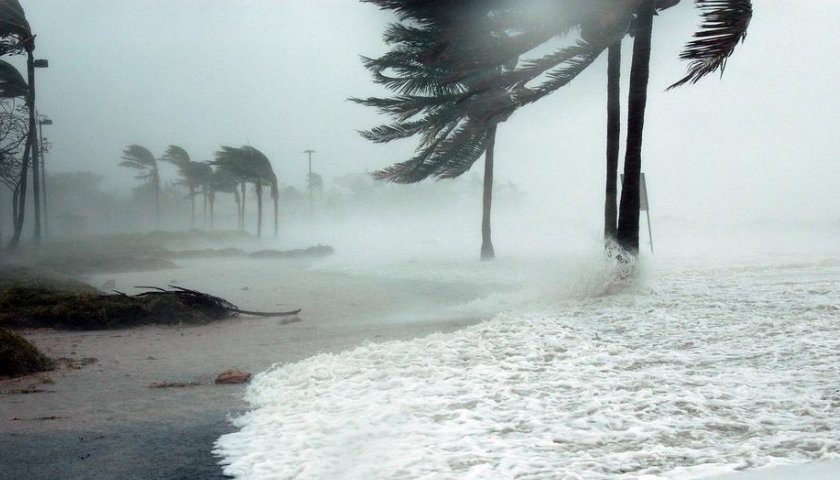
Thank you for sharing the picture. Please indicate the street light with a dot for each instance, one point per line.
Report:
(45, 147)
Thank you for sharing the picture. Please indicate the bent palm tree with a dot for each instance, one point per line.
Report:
(724, 26)
(141, 159)
(16, 37)
(249, 165)
(223, 180)
(12, 85)
(430, 87)
(194, 175)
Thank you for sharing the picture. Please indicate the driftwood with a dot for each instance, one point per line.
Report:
(207, 301)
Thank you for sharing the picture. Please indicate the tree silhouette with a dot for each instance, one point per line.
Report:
(249, 165)
(141, 159)
(595, 25)
(194, 175)
(429, 88)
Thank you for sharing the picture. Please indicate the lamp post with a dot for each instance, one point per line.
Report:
(45, 147)
(309, 177)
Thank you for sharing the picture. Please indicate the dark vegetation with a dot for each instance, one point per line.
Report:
(19, 357)
(32, 300)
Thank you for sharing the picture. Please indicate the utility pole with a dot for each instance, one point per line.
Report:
(45, 147)
(309, 177)
(31, 65)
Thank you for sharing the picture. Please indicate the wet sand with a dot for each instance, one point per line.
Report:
(103, 421)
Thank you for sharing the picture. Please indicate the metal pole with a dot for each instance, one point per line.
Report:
(43, 175)
(309, 178)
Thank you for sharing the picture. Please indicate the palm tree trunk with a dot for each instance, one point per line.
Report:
(36, 177)
(238, 208)
(211, 198)
(275, 194)
(19, 197)
(487, 252)
(613, 140)
(628, 220)
(242, 216)
(192, 206)
(259, 189)
(204, 204)
(156, 179)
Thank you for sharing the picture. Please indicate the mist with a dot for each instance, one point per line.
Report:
(752, 146)
(711, 350)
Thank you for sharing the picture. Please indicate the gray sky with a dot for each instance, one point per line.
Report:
(276, 74)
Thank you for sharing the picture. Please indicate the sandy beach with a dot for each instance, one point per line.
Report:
(103, 421)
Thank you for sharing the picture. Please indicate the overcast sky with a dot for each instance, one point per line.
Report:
(276, 74)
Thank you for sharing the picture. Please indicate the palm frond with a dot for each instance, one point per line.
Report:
(13, 20)
(12, 83)
(176, 156)
(137, 156)
(724, 26)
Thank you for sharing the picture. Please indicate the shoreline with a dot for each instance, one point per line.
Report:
(103, 421)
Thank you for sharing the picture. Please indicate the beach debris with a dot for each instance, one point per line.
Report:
(230, 377)
(174, 384)
(194, 298)
(29, 304)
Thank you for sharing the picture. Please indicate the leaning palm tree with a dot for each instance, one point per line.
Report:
(223, 180)
(250, 165)
(599, 24)
(16, 37)
(141, 159)
(453, 133)
(194, 175)
(12, 85)
(724, 26)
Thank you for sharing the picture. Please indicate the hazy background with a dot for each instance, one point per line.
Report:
(757, 148)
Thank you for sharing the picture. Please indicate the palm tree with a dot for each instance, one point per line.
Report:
(223, 180)
(724, 26)
(16, 37)
(12, 85)
(195, 175)
(249, 165)
(141, 159)
(453, 133)
(601, 23)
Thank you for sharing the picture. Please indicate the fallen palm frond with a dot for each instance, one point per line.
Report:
(34, 305)
(202, 300)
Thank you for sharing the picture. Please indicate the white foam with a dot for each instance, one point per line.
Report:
(703, 372)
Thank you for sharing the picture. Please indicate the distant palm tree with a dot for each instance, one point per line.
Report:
(140, 158)
(195, 175)
(250, 165)
(223, 180)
